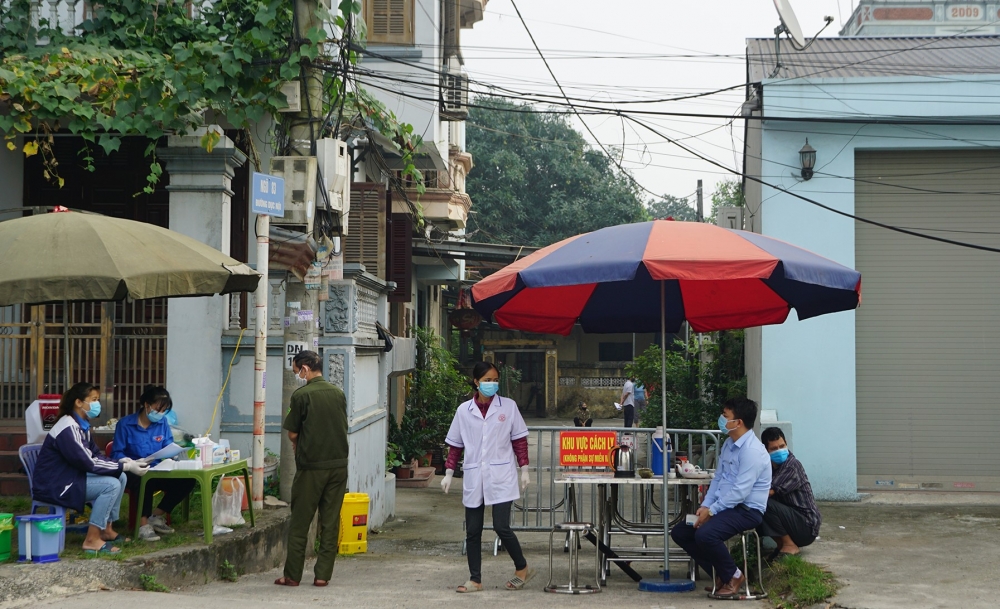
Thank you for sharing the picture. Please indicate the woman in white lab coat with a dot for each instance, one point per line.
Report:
(490, 430)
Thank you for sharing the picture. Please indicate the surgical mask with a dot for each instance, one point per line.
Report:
(154, 416)
(299, 379)
(489, 389)
(779, 456)
(722, 424)
(95, 410)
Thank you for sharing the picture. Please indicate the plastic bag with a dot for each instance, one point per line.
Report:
(227, 502)
(53, 525)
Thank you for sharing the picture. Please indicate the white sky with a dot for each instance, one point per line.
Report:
(638, 34)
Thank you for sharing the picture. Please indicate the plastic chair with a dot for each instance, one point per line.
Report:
(29, 457)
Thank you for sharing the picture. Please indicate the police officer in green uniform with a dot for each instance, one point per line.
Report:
(317, 426)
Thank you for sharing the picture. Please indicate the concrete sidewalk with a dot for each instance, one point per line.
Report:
(903, 551)
(893, 551)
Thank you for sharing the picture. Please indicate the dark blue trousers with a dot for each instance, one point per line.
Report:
(707, 544)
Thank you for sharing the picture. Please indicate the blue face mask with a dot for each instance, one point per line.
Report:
(722, 424)
(779, 456)
(95, 410)
(154, 416)
(489, 389)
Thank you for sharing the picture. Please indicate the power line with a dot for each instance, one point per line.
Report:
(845, 214)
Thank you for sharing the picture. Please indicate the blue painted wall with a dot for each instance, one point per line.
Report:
(808, 368)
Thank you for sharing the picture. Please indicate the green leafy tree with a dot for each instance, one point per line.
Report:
(537, 181)
(153, 68)
(728, 193)
(696, 386)
(435, 389)
(672, 207)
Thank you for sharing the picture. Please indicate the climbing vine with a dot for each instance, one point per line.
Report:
(159, 67)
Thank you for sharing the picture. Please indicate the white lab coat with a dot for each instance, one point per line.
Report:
(490, 467)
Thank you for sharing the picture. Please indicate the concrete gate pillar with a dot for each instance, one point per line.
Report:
(200, 207)
(551, 383)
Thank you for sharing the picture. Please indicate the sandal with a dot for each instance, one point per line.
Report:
(107, 548)
(284, 581)
(516, 583)
(470, 586)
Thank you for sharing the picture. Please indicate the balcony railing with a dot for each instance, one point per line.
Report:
(67, 15)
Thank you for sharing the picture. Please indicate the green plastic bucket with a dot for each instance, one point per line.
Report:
(6, 526)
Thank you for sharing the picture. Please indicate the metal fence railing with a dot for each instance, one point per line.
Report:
(639, 510)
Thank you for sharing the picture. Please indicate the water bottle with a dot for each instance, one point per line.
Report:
(657, 455)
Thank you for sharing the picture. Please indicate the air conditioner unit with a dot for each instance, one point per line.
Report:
(334, 161)
(729, 217)
(299, 173)
(454, 95)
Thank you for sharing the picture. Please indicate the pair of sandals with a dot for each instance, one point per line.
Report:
(108, 547)
(514, 583)
(777, 555)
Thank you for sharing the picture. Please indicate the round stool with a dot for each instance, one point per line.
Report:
(574, 530)
(746, 594)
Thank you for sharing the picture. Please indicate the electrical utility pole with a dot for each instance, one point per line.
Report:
(301, 318)
(701, 207)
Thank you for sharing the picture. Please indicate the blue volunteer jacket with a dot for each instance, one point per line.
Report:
(134, 442)
(67, 455)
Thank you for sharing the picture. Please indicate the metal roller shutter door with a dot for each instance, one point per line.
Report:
(928, 330)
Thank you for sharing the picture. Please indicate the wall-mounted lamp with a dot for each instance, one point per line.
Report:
(807, 157)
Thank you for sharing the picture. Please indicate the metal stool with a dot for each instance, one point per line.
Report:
(573, 530)
(746, 594)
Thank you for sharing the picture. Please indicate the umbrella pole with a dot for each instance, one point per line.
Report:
(667, 585)
(663, 406)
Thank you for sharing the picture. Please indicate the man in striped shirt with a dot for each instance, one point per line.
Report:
(792, 518)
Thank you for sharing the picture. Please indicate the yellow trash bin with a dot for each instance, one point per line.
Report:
(353, 538)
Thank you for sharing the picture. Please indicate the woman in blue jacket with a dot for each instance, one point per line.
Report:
(139, 435)
(71, 471)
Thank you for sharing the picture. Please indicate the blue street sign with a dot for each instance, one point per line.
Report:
(268, 195)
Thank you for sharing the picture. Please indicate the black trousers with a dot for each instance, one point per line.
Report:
(629, 414)
(578, 423)
(174, 491)
(780, 520)
(474, 538)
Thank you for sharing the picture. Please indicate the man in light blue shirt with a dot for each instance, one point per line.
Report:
(735, 501)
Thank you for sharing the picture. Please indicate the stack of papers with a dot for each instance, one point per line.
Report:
(168, 452)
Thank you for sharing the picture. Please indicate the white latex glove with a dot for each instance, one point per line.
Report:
(446, 481)
(135, 467)
(525, 477)
(124, 460)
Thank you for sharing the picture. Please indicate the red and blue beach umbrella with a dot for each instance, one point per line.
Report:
(652, 276)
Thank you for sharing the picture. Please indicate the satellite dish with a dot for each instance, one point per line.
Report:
(790, 23)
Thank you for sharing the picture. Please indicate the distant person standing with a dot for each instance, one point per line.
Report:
(317, 426)
(628, 401)
(640, 397)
